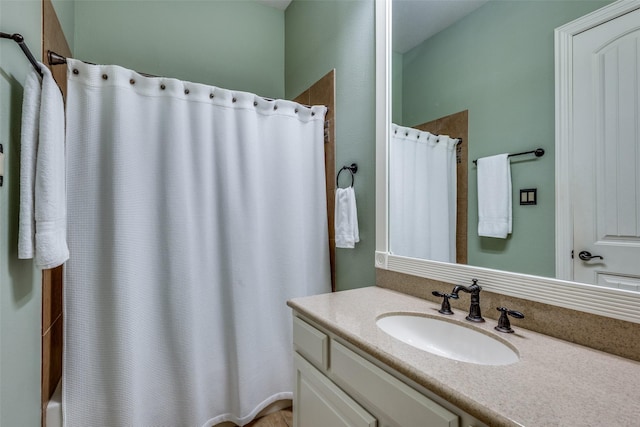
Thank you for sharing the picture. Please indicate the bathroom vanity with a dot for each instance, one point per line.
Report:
(374, 394)
(349, 372)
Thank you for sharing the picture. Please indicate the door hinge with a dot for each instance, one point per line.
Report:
(1, 165)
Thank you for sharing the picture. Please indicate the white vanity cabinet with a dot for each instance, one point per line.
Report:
(318, 402)
(336, 386)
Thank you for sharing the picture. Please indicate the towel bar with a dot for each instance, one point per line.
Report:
(539, 152)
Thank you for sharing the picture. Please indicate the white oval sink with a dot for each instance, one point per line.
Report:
(447, 339)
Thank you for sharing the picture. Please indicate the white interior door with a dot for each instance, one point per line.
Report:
(606, 156)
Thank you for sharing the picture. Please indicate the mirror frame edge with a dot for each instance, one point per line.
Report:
(613, 303)
(383, 120)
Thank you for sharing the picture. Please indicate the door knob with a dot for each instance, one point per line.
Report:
(586, 256)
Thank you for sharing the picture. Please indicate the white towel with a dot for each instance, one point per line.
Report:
(346, 218)
(28, 148)
(43, 169)
(494, 196)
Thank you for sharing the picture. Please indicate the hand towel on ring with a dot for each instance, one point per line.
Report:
(346, 218)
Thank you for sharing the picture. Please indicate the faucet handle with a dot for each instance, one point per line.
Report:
(503, 322)
(446, 307)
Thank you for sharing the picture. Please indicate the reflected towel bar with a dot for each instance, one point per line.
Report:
(539, 152)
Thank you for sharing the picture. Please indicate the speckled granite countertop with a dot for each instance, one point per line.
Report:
(555, 383)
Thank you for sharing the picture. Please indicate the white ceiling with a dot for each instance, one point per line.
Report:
(416, 20)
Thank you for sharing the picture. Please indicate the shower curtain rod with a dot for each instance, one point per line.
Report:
(20, 40)
(57, 59)
(437, 136)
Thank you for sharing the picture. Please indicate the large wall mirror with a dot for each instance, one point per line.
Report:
(494, 65)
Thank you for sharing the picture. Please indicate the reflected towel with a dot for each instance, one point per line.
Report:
(346, 218)
(494, 196)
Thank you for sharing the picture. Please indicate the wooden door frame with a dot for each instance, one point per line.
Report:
(323, 92)
(564, 141)
(53, 38)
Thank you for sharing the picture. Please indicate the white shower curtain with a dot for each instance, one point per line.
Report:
(422, 195)
(194, 214)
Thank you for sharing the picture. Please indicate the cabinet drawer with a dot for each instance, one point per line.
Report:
(401, 403)
(320, 403)
(311, 343)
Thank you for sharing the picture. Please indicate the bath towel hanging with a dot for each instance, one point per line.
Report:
(494, 196)
(43, 218)
(346, 218)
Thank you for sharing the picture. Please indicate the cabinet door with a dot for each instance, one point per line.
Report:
(320, 403)
(311, 343)
(376, 388)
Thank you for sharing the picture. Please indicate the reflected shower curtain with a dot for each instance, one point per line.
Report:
(422, 195)
(194, 214)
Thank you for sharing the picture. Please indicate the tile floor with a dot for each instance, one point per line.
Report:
(283, 418)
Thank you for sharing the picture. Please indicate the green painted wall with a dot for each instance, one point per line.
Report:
(227, 43)
(322, 35)
(66, 12)
(20, 282)
(498, 63)
(241, 45)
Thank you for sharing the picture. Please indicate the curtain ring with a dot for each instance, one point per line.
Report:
(353, 168)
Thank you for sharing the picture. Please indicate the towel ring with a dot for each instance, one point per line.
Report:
(352, 169)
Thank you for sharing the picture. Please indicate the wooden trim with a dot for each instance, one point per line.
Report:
(323, 92)
(53, 38)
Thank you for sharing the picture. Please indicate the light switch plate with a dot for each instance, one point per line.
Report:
(529, 196)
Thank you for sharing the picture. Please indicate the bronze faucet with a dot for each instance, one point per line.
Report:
(474, 309)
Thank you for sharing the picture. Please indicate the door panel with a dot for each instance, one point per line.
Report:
(606, 182)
